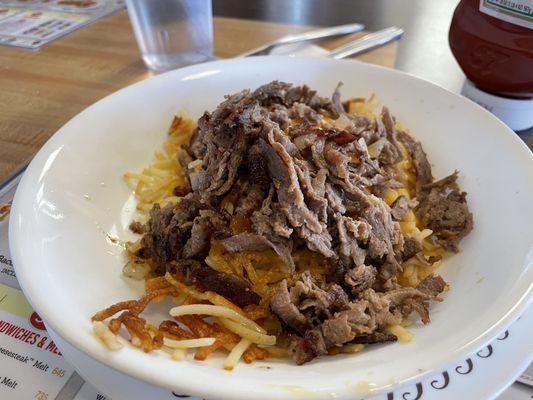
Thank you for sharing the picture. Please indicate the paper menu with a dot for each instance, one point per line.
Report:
(27, 351)
(34, 23)
(31, 366)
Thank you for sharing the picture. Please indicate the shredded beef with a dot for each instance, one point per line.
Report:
(169, 229)
(306, 303)
(207, 224)
(282, 305)
(374, 337)
(232, 287)
(137, 227)
(411, 247)
(432, 285)
(285, 170)
(444, 210)
(360, 278)
(400, 208)
(420, 160)
(361, 319)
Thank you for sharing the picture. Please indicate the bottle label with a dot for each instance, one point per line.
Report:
(518, 12)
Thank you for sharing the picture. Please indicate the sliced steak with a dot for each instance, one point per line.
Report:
(280, 115)
(317, 303)
(314, 196)
(308, 302)
(360, 278)
(420, 160)
(282, 172)
(168, 229)
(432, 285)
(390, 153)
(444, 210)
(336, 103)
(385, 234)
(374, 337)
(364, 318)
(411, 247)
(400, 208)
(232, 287)
(250, 199)
(245, 242)
(304, 113)
(351, 234)
(252, 242)
(271, 223)
(335, 200)
(137, 227)
(257, 168)
(282, 305)
(206, 225)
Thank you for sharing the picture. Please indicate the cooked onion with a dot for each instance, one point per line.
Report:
(251, 335)
(135, 270)
(374, 149)
(216, 311)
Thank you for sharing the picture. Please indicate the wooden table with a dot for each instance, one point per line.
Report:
(40, 91)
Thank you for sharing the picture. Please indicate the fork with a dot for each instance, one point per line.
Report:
(301, 37)
(367, 42)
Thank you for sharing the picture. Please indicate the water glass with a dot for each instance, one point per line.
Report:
(172, 33)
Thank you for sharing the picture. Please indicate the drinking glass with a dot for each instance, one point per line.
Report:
(172, 33)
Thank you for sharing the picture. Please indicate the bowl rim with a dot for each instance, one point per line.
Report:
(37, 296)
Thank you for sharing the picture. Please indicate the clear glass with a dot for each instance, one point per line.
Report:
(172, 33)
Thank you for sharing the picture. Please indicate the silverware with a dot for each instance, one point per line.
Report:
(301, 37)
(366, 42)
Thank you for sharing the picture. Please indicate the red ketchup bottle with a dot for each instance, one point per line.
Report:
(492, 41)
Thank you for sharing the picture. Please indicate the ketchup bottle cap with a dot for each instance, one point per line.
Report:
(517, 114)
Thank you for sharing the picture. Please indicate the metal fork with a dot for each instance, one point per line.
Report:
(367, 42)
(301, 37)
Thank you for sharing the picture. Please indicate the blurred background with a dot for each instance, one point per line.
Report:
(423, 50)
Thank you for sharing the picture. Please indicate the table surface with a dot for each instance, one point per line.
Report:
(40, 91)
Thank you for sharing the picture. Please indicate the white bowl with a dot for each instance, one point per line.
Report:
(73, 194)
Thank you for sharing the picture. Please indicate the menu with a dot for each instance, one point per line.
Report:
(31, 24)
(32, 367)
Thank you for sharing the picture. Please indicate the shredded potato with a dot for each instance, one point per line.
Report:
(155, 184)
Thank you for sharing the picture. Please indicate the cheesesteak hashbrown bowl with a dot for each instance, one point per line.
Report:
(72, 205)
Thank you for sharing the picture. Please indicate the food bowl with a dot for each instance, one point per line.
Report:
(72, 203)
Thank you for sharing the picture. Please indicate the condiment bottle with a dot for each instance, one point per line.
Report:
(492, 41)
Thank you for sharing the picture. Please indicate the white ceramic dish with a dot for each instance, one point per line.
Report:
(72, 194)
